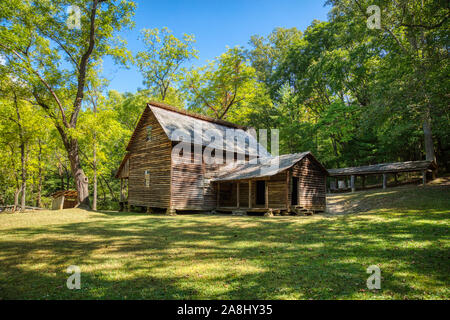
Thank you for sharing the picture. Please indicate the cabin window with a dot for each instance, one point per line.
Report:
(149, 133)
(147, 178)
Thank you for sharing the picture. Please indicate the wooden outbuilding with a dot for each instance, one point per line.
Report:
(65, 199)
(151, 177)
(383, 169)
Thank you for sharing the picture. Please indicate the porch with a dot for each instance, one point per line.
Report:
(277, 195)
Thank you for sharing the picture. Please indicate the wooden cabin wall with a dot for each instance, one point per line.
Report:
(289, 196)
(312, 193)
(125, 171)
(243, 194)
(187, 185)
(277, 190)
(209, 188)
(192, 188)
(228, 194)
(155, 156)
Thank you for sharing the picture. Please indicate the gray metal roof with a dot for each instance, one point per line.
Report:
(384, 168)
(269, 167)
(177, 125)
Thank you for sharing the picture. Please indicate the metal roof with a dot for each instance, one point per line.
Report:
(384, 168)
(179, 125)
(268, 167)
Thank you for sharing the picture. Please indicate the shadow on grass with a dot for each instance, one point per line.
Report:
(433, 198)
(135, 256)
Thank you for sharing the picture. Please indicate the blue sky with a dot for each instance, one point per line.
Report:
(215, 25)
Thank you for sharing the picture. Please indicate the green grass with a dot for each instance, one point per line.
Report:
(141, 256)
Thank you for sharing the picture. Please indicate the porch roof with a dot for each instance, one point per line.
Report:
(265, 168)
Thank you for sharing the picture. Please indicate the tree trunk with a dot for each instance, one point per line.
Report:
(428, 136)
(94, 164)
(335, 150)
(39, 191)
(22, 155)
(94, 156)
(81, 181)
(103, 190)
(113, 196)
(16, 197)
(61, 174)
(24, 177)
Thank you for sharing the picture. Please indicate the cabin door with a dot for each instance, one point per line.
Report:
(294, 194)
(260, 192)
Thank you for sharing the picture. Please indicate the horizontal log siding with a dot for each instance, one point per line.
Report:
(277, 190)
(289, 197)
(243, 194)
(153, 155)
(228, 194)
(312, 193)
(125, 172)
(192, 188)
(187, 186)
(210, 188)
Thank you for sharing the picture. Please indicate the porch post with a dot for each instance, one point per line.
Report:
(267, 193)
(424, 177)
(384, 180)
(352, 182)
(121, 189)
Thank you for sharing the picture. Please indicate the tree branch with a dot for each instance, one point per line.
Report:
(384, 28)
(49, 88)
(437, 25)
(83, 68)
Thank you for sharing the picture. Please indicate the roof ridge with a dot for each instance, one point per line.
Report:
(196, 115)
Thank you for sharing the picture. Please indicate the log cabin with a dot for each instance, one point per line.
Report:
(250, 181)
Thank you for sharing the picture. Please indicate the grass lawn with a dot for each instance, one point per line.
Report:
(141, 256)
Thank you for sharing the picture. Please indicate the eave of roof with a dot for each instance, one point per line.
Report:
(124, 160)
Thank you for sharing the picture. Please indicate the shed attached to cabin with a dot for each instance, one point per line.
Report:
(289, 183)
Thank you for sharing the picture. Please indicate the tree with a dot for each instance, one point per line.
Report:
(227, 83)
(162, 61)
(54, 58)
(413, 36)
(266, 54)
(21, 127)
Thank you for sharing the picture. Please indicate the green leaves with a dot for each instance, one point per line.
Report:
(224, 86)
(163, 62)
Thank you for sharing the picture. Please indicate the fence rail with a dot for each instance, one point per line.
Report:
(13, 208)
